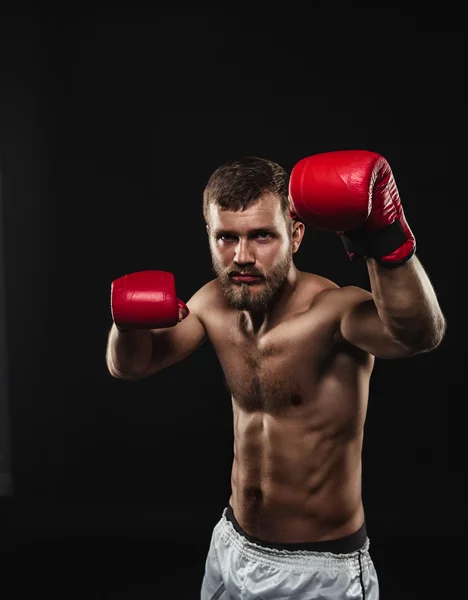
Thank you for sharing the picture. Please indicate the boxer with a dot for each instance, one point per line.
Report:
(297, 352)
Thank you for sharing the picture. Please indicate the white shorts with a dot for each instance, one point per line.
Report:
(238, 568)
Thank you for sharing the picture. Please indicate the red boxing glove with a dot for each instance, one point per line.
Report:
(145, 300)
(353, 193)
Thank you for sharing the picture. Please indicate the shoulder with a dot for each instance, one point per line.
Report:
(317, 283)
(206, 298)
(316, 288)
(323, 291)
(209, 292)
(343, 298)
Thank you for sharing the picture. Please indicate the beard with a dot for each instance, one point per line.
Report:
(244, 296)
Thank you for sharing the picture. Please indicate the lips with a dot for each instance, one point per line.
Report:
(246, 278)
(243, 277)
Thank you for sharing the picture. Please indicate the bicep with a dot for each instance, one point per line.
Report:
(361, 326)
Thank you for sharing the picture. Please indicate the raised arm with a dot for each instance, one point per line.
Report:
(401, 317)
(354, 194)
(152, 329)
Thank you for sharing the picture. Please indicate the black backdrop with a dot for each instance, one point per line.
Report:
(111, 123)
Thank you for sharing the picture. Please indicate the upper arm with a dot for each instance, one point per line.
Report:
(361, 326)
(172, 344)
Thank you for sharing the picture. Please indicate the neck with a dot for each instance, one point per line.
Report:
(260, 321)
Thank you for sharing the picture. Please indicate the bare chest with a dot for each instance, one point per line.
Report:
(269, 373)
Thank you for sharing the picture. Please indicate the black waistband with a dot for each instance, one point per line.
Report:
(344, 545)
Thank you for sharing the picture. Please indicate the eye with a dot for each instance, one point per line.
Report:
(225, 237)
(263, 235)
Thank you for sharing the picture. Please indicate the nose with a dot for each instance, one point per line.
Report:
(244, 255)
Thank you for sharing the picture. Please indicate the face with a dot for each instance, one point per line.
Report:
(252, 252)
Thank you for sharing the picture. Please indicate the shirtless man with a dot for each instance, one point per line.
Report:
(297, 353)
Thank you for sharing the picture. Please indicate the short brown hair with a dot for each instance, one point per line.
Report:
(239, 183)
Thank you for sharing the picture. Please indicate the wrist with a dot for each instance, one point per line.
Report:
(390, 246)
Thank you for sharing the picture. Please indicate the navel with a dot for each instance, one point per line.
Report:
(253, 494)
(296, 400)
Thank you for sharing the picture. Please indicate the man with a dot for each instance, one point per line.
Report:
(297, 353)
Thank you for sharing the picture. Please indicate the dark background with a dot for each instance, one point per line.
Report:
(110, 124)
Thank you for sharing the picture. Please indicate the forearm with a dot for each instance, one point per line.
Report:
(128, 353)
(407, 304)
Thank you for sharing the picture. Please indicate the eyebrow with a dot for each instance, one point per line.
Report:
(268, 229)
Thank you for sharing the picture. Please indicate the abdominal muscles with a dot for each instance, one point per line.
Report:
(296, 474)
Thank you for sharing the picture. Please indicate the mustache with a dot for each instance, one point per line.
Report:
(229, 272)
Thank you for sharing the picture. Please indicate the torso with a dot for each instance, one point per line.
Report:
(299, 398)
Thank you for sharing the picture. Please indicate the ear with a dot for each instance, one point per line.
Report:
(297, 235)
